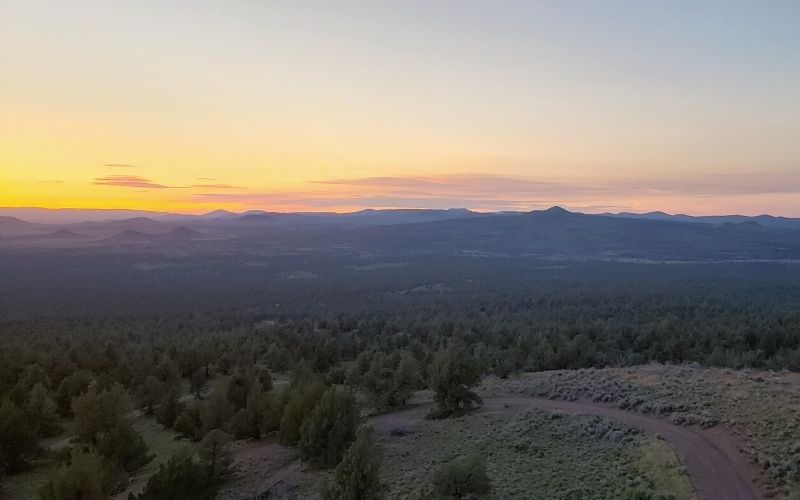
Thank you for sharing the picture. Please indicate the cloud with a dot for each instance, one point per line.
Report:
(53, 181)
(216, 186)
(470, 184)
(120, 165)
(205, 179)
(492, 192)
(131, 181)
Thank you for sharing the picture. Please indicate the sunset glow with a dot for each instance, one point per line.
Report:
(332, 106)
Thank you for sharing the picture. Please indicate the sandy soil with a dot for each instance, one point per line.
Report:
(718, 470)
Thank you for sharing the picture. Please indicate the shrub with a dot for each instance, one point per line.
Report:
(461, 479)
(180, 477)
(87, 477)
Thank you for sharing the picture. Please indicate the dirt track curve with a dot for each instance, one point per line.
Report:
(717, 469)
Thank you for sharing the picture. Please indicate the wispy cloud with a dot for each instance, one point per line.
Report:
(120, 165)
(52, 181)
(491, 192)
(130, 181)
(216, 186)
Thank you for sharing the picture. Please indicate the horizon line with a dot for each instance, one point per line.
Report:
(385, 209)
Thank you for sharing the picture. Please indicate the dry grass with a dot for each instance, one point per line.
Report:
(533, 454)
(762, 408)
(658, 461)
(162, 444)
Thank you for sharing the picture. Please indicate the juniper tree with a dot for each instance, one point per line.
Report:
(124, 446)
(18, 443)
(452, 375)
(357, 477)
(198, 381)
(330, 428)
(302, 397)
(149, 394)
(40, 410)
(215, 455)
(87, 477)
(391, 379)
(169, 408)
(217, 410)
(98, 411)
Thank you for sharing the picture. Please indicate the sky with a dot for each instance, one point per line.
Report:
(681, 106)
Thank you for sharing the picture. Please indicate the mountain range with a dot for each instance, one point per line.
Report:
(551, 233)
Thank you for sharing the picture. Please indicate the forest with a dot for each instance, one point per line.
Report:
(207, 373)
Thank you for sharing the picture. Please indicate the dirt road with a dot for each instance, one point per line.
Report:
(717, 470)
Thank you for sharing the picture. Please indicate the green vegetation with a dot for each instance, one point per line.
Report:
(181, 477)
(658, 462)
(330, 428)
(387, 379)
(526, 454)
(86, 476)
(452, 373)
(357, 477)
(18, 442)
(463, 478)
(760, 407)
(215, 453)
(120, 387)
